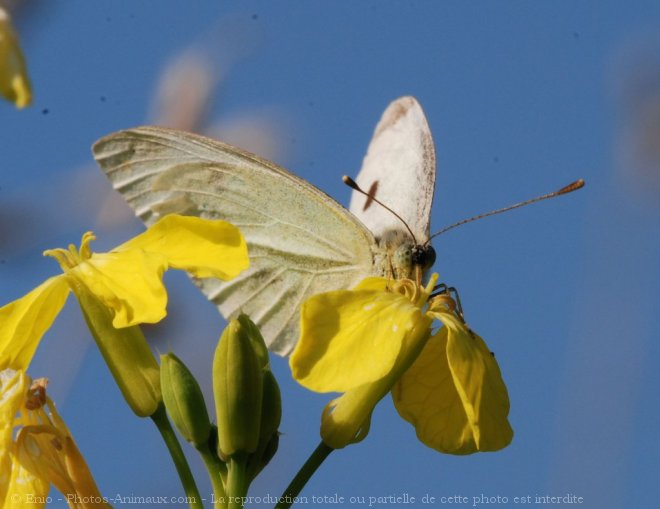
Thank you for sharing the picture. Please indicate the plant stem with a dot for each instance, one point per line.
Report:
(303, 475)
(215, 468)
(189, 487)
(237, 481)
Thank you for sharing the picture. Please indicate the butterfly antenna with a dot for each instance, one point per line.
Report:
(353, 185)
(573, 186)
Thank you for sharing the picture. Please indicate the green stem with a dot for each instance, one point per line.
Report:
(237, 481)
(190, 488)
(215, 468)
(303, 475)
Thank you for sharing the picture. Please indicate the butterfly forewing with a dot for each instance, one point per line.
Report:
(399, 170)
(300, 241)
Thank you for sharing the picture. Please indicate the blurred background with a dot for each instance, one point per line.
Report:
(522, 98)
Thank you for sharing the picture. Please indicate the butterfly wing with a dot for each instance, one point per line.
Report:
(300, 241)
(399, 170)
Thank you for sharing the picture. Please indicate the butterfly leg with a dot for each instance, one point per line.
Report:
(452, 293)
(438, 289)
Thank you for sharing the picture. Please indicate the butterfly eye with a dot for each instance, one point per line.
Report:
(423, 256)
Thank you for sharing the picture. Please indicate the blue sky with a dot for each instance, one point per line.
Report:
(522, 98)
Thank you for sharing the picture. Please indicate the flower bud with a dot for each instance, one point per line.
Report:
(14, 81)
(271, 414)
(257, 340)
(238, 388)
(127, 354)
(184, 400)
(271, 409)
(259, 460)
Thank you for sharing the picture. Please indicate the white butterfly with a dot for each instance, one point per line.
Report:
(300, 241)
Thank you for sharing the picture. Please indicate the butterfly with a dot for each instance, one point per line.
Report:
(301, 242)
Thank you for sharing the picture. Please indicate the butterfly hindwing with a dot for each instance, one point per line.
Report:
(300, 241)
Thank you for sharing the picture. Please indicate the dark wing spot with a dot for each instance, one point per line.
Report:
(372, 194)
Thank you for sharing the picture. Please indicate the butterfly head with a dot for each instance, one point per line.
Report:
(409, 257)
(401, 257)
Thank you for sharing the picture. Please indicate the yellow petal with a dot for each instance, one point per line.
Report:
(13, 387)
(25, 490)
(201, 247)
(426, 397)
(24, 321)
(128, 282)
(350, 338)
(18, 487)
(49, 453)
(80, 475)
(347, 419)
(480, 385)
(373, 283)
(14, 81)
(454, 395)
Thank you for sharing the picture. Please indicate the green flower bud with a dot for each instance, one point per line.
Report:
(261, 458)
(271, 414)
(127, 354)
(271, 408)
(184, 400)
(257, 340)
(237, 389)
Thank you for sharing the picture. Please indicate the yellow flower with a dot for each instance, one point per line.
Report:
(43, 452)
(14, 81)
(127, 280)
(377, 338)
